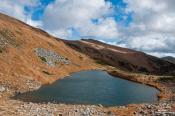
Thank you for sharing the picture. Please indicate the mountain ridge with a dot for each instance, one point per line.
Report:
(169, 59)
(123, 58)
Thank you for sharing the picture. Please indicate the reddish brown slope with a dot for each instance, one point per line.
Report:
(122, 58)
(169, 59)
(19, 62)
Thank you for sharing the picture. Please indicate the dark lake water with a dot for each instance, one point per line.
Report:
(93, 87)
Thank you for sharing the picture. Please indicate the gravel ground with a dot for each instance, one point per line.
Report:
(50, 109)
(9, 107)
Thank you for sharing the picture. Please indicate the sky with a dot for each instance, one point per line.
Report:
(146, 25)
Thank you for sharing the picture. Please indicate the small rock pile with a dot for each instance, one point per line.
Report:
(33, 85)
(51, 58)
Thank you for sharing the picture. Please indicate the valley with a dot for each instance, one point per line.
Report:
(31, 58)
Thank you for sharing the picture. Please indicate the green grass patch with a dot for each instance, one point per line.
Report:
(45, 72)
(167, 79)
(43, 59)
(100, 62)
(1, 50)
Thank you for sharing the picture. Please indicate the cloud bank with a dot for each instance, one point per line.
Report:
(90, 18)
(151, 28)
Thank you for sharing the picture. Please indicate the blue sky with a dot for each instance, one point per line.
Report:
(38, 12)
(146, 26)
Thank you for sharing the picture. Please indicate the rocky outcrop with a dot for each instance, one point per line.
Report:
(7, 38)
(50, 57)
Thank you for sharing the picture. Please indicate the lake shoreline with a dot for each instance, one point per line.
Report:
(79, 87)
(165, 93)
(118, 110)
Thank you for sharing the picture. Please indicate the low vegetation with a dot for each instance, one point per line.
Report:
(1, 50)
(167, 79)
(80, 57)
(43, 59)
(45, 72)
(7, 38)
(101, 62)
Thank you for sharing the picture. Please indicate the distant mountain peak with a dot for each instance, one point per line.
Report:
(169, 59)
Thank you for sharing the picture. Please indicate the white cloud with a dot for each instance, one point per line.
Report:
(152, 43)
(78, 14)
(152, 29)
(15, 8)
(12, 8)
(61, 33)
(31, 22)
(106, 28)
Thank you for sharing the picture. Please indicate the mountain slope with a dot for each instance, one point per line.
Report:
(122, 58)
(30, 54)
(169, 59)
(27, 53)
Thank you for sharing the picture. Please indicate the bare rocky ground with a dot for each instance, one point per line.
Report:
(19, 108)
(9, 107)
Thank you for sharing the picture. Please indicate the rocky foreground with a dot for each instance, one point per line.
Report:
(11, 107)
(19, 108)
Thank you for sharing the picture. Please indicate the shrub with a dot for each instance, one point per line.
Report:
(46, 72)
(101, 62)
(167, 79)
(80, 57)
(43, 59)
(1, 51)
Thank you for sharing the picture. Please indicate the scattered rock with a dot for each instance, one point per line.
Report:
(33, 85)
(158, 109)
(100, 105)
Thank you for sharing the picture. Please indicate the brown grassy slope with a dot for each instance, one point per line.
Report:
(18, 61)
(125, 59)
